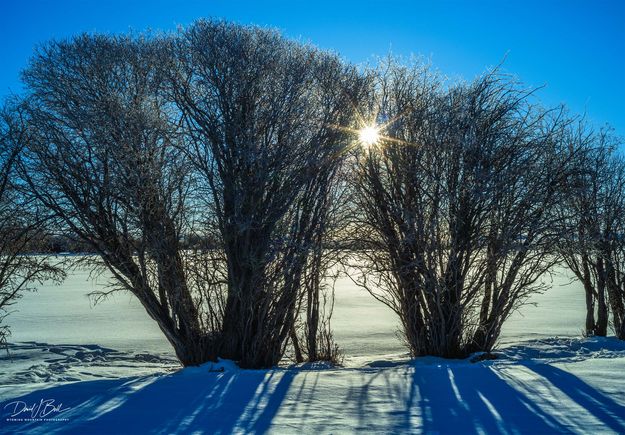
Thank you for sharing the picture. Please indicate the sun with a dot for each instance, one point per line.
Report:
(369, 136)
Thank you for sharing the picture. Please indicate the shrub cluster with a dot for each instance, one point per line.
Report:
(223, 174)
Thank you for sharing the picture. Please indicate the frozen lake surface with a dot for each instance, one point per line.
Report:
(364, 328)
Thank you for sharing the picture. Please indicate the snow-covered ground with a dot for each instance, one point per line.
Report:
(107, 369)
(542, 386)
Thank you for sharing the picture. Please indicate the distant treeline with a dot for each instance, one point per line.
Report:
(58, 244)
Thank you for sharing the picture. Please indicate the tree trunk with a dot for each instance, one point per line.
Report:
(615, 300)
(601, 328)
(590, 299)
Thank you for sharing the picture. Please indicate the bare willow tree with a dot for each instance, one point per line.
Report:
(22, 224)
(103, 154)
(223, 135)
(595, 212)
(454, 205)
(263, 114)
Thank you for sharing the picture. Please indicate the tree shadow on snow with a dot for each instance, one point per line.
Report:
(481, 398)
(177, 403)
(603, 408)
(478, 399)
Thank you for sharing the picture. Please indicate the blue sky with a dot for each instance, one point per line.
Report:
(576, 48)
